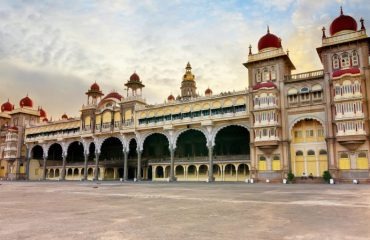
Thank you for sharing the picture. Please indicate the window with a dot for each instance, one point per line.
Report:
(297, 134)
(311, 152)
(262, 158)
(362, 155)
(299, 153)
(259, 76)
(266, 74)
(309, 133)
(322, 152)
(305, 90)
(273, 73)
(343, 155)
(354, 58)
(345, 60)
(338, 91)
(320, 132)
(335, 62)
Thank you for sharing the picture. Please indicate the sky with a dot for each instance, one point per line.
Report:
(54, 50)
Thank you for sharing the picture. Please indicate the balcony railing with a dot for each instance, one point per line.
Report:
(304, 76)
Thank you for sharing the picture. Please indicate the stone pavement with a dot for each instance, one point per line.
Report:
(113, 210)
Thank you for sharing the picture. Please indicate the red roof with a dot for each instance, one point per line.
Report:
(42, 113)
(264, 85)
(113, 95)
(269, 41)
(341, 72)
(64, 116)
(134, 77)
(45, 120)
(26, 102)
(14, 128)
(171, 98)
(7, 107)
(343, 22)
(95, 87)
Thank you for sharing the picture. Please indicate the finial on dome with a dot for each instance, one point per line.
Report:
(268, 29)
(287, 52)
(323, 32)
(362, 24)
(341, 10)
(250, 49)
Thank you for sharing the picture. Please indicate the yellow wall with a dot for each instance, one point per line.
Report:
(107, 117)
(276, 165)
(88, 120)
(117, 116)
(262, 166)
(35, 170)
(362, 163)
(344, 163)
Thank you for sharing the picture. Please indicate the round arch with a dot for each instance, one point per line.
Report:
(178, 134)
(156, 145)
(37, 152)
(111, 149)
(190, 144)
(75, 152)
(146, 136)
(219, 128)
(55, 152)
(302, 118)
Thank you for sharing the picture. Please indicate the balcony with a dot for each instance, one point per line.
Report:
(304, 76)
(344, 38)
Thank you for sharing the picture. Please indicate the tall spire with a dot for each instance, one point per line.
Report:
(268, 29)
(341, 10)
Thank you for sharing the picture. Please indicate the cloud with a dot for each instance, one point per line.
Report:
(66, 47)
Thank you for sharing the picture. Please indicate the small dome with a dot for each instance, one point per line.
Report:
(113, 95)
(42, 113)
(171, 98)
(208, 91)
(7, 107)
(26, 102)
(269, 41)
(95, 87)
(264, 85)
(64, 117)
(45, 120)
(134, 77)
(343, 22)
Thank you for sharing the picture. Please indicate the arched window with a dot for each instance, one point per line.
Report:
(262, 158)
(310, 152)
(273, 73)
(305, 90)
(276, 157)
(336, 62)
(259, 76)
(266, 74)
(343, 155)
(354, 58)
(299, 153)
(345, 60)
(323, 152)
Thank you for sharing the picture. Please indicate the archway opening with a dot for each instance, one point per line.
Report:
(37, 152)
(159, 173)
(230, 172)
(232, 140)
(111, 150)
(179, 172)
(191, 145)
(156, 147)
(75, 153)
(55, 155)
(192, 172)
(132, 159)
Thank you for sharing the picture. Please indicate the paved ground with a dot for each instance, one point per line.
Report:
(76, 210)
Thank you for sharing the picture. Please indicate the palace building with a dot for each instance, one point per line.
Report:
(304, 123)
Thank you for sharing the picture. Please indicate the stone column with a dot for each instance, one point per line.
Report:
(64, 167)
(125, 167)
(96, 174)
(27, 163)
(210, 164)
(44, 169)
(138, 176)
(85, 166)
(172, 166)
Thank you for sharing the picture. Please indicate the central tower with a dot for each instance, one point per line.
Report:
(188, 85)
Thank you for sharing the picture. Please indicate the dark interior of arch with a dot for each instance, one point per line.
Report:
(55, 152)
(156, 146)
(37, 152)
(132, 154)
(75, 152)
(91, 152)
(191, 143)
(111, 149)
(232, 140)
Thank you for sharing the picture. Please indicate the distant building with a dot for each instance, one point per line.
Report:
(305, 123)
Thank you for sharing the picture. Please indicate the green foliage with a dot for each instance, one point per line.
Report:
(326, 176)
(290, 177)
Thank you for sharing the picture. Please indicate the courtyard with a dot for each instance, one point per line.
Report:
(145, 210)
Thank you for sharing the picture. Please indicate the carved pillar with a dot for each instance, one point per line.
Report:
(28, 157)
(172, 166)
(210, 163)
(96, 173)
(64, 167)
(125, 167)
(44, 168)
(138, 176)
(85, 166)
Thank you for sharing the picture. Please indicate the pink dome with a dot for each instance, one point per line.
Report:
(343, 22)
